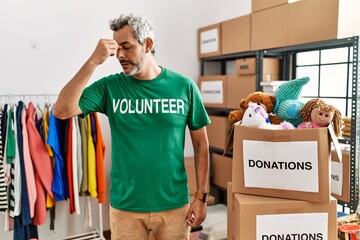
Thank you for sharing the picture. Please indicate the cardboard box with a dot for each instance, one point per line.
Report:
(209, 41)
(340, 176)
(269, 28)
(213, 90)
(221, 170)
(239, 87)
(230, 211)
(247, 66)
(265, 218)
(218, 131)
(258, 5)
(318, 20)
(191, 174)
(235, 35)
(292, 164)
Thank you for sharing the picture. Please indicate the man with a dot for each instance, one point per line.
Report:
(148, 108)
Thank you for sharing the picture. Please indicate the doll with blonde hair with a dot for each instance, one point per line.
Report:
(316, 113)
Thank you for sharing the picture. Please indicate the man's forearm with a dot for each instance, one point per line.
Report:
(67, 103)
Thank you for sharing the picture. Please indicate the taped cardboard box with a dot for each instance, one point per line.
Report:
(266, 218)
(340, 176)
(292, 164)
(209, 41)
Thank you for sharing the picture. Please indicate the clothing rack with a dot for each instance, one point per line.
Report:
(96, 233)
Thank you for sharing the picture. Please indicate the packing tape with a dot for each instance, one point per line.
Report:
(349, 232)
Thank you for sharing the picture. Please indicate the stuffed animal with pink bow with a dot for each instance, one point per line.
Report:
(256, 116)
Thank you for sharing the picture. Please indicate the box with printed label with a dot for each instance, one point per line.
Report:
(235, 35)
(213, 90)
(310, 21)
(209, 41)
(292, 164)
(218, 131)
(267, 218)
(340, 176)
(247, 66)
(221, 170)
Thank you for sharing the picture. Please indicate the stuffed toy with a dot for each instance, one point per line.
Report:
(316, 113)
(256, 116)
(288, 105)
(268, 102)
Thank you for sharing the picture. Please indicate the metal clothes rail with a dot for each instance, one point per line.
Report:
(95, 234)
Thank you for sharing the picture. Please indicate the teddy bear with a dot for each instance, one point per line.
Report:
(317, 113)
(266, 100)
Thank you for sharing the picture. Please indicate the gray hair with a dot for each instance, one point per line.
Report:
(141, 27)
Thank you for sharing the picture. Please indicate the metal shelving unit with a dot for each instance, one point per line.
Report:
(288, 64)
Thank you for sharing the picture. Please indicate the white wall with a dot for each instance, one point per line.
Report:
(43, 43)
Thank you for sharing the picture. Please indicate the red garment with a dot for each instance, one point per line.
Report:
(100, 150)
(38, 152)
(40, 204)
(69, 168)
(43, 170)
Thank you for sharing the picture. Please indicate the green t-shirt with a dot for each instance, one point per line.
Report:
(147, 119)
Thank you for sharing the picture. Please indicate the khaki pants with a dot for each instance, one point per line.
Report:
(166, 225)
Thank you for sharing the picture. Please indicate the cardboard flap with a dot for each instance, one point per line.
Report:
(335, 141)
(230, 140)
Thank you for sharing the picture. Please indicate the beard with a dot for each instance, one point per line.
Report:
(136, 66)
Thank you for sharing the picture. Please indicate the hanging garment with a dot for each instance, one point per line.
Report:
(84, 132)
(100, 150)
(42, 164)
(28, 166)
(3, 195)
(75, 160)
(69, 167)
(55, 139)
(91, 160)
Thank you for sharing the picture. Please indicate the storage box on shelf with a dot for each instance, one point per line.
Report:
(318, 20)
(235, 35)
(258, 5)
(213, 90)
(269, 28)
(209, 41)
(218, 131)
(221, 170)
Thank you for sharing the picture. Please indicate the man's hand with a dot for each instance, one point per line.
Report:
(196, 214)
(104, 49)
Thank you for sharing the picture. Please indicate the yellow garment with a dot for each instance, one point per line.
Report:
(46, 130)
(92, 185)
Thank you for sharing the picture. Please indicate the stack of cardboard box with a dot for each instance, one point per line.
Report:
(280, 185)
(281, 23)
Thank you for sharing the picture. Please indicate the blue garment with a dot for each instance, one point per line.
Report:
(56, 140)
(22, 232)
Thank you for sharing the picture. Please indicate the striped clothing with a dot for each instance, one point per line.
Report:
(3, 195)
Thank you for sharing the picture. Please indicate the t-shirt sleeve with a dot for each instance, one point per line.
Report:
(198, 116)
(93, 98)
